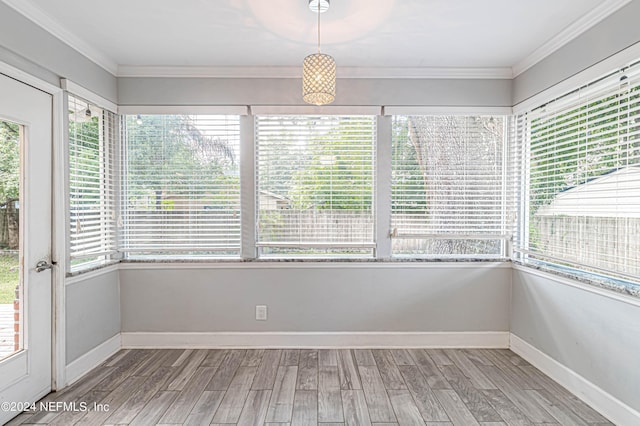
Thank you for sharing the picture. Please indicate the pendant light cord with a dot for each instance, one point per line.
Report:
(318, 26)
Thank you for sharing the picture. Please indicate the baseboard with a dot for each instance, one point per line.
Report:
(316, 340)
(606, 404)
(87, 362)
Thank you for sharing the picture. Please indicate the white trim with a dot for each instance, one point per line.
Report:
(296, 72)
(248, 217)
(498, 339)
(59, 238)
(184, 109)
(28, 79)
(489, 73)
(591, 288)
(96, 356)
(40, 18)
(608, 405)
(582, 25)
(84, 276)
(311, 265)
(383, 178)
(315, 110)
(208, 71)
(447, 110)
(594, 72)
(88, 95)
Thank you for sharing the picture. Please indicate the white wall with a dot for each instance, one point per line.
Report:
(596, 336)
(303, 297)
(28, 47)
(92, 312)
(616, 33)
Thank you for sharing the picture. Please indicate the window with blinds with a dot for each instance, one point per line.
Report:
(581, 189)
(450, 196)
(92, 184)
(180, 186)
(315, 185)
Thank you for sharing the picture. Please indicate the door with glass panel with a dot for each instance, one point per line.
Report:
(25, 245)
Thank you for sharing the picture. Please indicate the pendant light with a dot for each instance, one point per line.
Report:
(319, 69)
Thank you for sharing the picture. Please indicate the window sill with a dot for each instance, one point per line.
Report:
(313, 263)
(319, 260)
(92, 268)
(626, 288)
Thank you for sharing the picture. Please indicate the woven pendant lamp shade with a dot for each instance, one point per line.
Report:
(319, 79)
(319, 70)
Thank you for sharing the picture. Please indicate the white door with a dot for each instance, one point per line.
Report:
(25, 197)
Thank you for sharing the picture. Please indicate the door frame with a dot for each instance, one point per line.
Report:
(58, 225)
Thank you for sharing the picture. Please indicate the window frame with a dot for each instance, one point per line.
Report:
(209, 115)
(108, 176)
(507, 200)
(601, 89)
(328, 245)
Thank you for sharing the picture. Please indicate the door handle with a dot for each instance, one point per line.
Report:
(43, 265)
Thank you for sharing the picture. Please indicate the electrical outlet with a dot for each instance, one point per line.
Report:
(261, 312)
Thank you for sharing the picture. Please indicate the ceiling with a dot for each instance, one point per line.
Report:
(366, 34)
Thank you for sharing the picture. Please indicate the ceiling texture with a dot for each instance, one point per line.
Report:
(366, 37)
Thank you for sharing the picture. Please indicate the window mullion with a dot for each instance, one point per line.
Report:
(383, 188)
(248, 167)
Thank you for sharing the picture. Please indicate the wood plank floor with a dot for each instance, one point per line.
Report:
(309, 387)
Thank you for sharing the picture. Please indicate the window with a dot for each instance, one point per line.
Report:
(180, 186)
(92, 185)
(582, 192)
(315, 185)
(449, 192)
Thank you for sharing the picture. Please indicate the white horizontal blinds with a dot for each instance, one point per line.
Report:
(448, 186)
(92, 184)
(584, 178)
(181, 185)
(315, 185)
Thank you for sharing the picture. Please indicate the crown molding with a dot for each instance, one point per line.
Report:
(208, 71)
(40, 18)
(296, 72)
(492, 73)
(595, 16)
